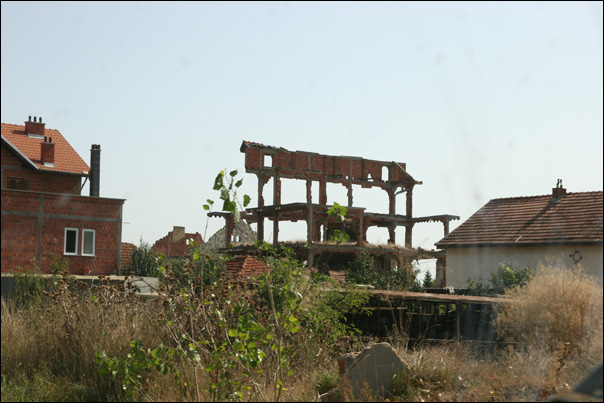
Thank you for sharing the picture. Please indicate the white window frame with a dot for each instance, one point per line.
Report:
(88, 231)
(77, 233)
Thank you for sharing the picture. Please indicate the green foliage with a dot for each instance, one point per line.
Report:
(228, 185)
(327, 381)
(144, 262)
(362, 271)
(506, 277)
(339, 213)
(33, 289)
(134, 370)
(428, 281)
(402, 279)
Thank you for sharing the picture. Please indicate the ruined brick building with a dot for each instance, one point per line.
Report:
(276, 163)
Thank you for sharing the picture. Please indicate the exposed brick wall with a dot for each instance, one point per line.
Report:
(33, 227)
(38, 181)
(313, 166)
(169, 248)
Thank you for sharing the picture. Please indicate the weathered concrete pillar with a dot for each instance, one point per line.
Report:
(391, 201)
(408, 235)
(349, 194)
(446, 225)
(276, 202)
(228, 229)
(410, 201)
(260, 187)
(409, 227)
(308, 191)
(392, 234)
(276, 190)
(361, 233)
(323, 191)
(260, 227)
(309, 235)
(260, 217)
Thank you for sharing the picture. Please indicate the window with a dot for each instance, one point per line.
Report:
(17, 183)
(71, 241)
(88, 242)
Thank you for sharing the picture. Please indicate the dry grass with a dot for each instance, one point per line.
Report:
(48, 350)
(560, 310)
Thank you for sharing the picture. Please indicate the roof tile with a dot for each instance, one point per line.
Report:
(66, 158)
(574, 218)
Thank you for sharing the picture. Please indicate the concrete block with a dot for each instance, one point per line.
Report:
(372, 369)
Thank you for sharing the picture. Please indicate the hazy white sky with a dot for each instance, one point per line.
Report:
(481, 100)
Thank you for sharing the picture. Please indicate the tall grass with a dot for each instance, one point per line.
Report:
(48, 348)
(558, 310)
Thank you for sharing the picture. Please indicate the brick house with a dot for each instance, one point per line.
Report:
(177, 243)
(526, 231)
(45, 217)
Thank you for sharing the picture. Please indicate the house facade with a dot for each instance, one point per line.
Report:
(562, 229)
(45, 218)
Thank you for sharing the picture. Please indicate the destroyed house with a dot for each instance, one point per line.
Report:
(276, 163)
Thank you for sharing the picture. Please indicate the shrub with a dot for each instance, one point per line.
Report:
(557, 307)
(144, 262)
(507, 276)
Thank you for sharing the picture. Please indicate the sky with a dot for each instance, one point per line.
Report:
(480, 100)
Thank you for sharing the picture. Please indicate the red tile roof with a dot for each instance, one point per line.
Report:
(573, 218)
(66, 159)
(245, 267)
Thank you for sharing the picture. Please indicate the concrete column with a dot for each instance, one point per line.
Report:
(323, 191)
(308, 191)
(260, 204)
(349, 194)
(391, 201)
(260, 187)
(392, 234)
(408, 235)
(410, 201)
(276, 202)
(361, 233)
(260, 227)
(228, 230)
(309, 236)
(276, 190)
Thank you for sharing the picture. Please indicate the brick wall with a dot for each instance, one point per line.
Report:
(33, 230)
(313, 166)
(38, 181)
(170, 248)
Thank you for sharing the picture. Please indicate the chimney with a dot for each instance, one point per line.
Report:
(48, 151)
(35, 127)
(95, 170)
(558, 191)
(178, 233)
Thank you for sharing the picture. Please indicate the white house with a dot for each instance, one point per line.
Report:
(565, 228)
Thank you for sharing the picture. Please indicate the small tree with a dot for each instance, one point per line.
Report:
(144, 262)
(428, 280)
(362, 271)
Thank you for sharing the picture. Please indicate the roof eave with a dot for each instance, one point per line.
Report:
(543, 243)
(19, 153)
(35, 166)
